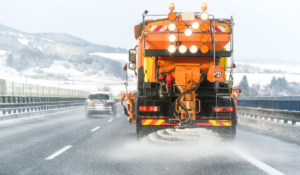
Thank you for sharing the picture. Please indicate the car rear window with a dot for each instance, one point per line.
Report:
(99, 97)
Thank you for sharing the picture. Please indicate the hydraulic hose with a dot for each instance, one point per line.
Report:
(182, 105)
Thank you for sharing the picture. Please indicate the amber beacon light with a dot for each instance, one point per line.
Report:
(171, 6)
(204, 6)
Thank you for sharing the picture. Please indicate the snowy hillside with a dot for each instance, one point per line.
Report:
(64, 45)
(60, 75)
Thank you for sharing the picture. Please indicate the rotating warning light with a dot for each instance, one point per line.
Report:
(193, 49)
(188, 32)
(204, 16)
(172, 38)
(182, 49)
(171, 6)
(172, 27)
(204, 6)
(195, 25)
(171, 48)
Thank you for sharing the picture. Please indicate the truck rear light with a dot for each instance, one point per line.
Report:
(149, 108)
(222, 109)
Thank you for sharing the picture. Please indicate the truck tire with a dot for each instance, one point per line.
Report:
(137, 118)
(228, 133)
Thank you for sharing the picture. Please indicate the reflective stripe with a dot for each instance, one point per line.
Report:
(216, 123)
(159, 122)
(147, 122)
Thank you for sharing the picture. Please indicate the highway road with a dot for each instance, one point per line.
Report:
(74, 144)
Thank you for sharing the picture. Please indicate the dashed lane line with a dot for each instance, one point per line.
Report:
(110, 120)
(266, 168)
(95, 129)
(58, 152)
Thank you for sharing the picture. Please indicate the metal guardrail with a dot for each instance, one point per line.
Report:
(278, 103)
(37, 107)
(21, 89)
(272, 114)
(30, 99)
(12, 104)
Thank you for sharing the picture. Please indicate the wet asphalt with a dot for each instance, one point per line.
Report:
(113, 148)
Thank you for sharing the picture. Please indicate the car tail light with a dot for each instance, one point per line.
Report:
(89, 102)
(149, 108)
(222, 109)
(109, 102)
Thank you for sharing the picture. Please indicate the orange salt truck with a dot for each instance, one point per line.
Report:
(183, 79)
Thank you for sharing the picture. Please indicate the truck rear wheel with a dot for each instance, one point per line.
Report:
(228, 133)
(137, 118)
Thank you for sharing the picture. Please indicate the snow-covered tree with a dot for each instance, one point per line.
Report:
(10, 61)
(244, 85)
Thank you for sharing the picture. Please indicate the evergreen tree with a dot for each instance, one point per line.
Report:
(273, 83)
(10, 61)
(244, 85)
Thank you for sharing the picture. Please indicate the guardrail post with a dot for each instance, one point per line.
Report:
(13, 89)
(294, 123)
(285, 121)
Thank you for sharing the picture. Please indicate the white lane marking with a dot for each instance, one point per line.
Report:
(266, 168)
(118, 115)
(123, 112)
(58, 152)
(110, 120)
(95, 129)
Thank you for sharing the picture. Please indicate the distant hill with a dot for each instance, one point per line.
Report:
(63, 45)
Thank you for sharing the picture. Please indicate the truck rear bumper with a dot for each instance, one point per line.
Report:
(164, 122)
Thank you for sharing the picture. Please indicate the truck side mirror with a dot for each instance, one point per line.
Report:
(132, 66)
(132, 55)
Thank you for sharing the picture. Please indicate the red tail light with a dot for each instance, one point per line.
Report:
(89, 102)
(222, 109)
(149, 108)
(109, 102)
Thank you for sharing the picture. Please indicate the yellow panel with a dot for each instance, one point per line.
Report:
(147, 68)
(223, 62)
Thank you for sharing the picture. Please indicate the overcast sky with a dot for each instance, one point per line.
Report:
(264, 29)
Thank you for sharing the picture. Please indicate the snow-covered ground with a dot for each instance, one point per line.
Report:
(122, 57)
(79, 81)
(76, 79)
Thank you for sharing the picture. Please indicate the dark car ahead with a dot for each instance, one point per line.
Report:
(100, 103)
